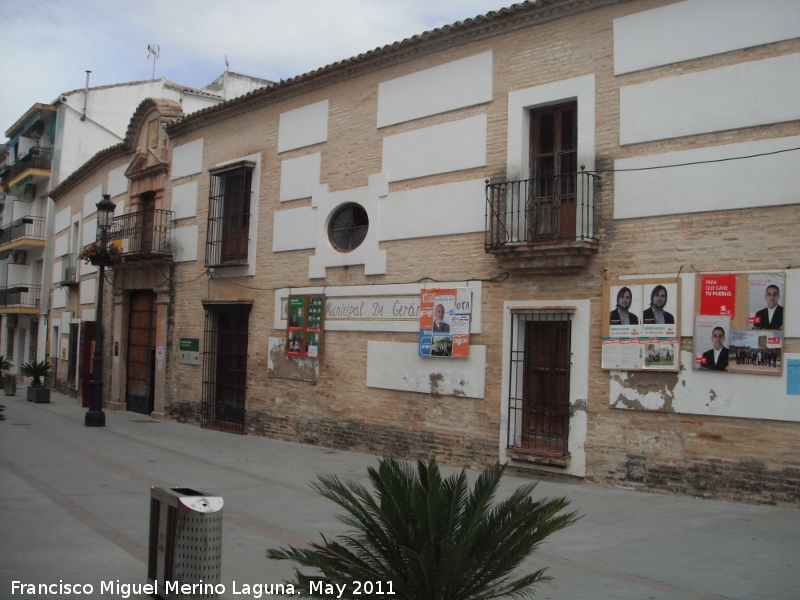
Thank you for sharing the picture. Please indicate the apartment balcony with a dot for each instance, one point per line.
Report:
(143, 235)
(21, 298)
(34, 168)
(543, 225)
(26, 233)
(66, 271)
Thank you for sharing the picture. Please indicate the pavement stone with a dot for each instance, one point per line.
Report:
(74, 508)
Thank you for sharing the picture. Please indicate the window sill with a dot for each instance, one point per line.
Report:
(540, 457)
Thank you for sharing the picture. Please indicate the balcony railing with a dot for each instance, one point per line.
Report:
(146, 232)
(69, 270)
(26, 227)
(36, 158)
(543, 210)
(21, 295)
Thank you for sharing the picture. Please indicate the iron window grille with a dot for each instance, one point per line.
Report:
(538, 395)
(33, 344)
(228, 234)
(225, 367)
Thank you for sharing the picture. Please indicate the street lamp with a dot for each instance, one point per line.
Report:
(95, 417)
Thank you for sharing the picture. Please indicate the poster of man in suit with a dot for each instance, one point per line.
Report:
(711, 334)
(764, 304)
(656, 318)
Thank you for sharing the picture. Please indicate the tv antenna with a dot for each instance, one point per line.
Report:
(227, 64)
(153, 50)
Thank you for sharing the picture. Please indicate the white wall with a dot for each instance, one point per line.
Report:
(303, 127)
(743, 95)
(436, 149)
(698, 28)
(184, 243)
(440, 89)
(184, 200)
(187, 159)
(299, 176)
(762, 181)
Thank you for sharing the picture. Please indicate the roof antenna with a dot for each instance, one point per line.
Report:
(154, 51)
(227, 64)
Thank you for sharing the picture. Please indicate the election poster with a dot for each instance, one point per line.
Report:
(444, 322)
(718, 295)
(306, 315)
(765, 293)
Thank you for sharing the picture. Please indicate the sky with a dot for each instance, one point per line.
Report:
(50, 44)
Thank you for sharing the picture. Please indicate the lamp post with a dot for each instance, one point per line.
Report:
(95, 417)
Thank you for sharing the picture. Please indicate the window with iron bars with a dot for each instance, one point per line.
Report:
(228, 235)
(225, 367)
(538, 395)
(33, 344)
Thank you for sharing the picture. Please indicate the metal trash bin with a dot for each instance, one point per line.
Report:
(10, 384)
(185, 542)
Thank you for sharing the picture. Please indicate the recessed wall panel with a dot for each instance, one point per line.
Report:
(187, 159)
(303, 127)
(761, 181)
(437, 149)
(299, 176)
(743, 95)
(294, 229)
(446, 87)
(698, 28)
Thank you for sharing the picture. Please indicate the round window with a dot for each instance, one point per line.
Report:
(348, 227)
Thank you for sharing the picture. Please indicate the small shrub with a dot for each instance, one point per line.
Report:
(36, 371)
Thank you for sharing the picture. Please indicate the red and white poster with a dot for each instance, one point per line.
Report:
(717, 295)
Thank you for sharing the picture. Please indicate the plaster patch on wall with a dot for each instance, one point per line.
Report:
(281, 366)
(644, 390)
(398, 366)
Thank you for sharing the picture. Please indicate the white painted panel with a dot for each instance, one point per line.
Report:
(294, 229)
(66, 319)
(184, 200)
(303, 126)
(87, 269)
(59, 298)
(88, 288)
(698, 28)
(446, 209)
(744, 95)
(184, 242)
(299, 176)
(88, 314)
(62, 219)
(91, 199)
(187, 159)
(117, 182)
(61, 246)
(89, 231)
(398, 366)
(714, 393)
(791, 321)
(453, 85)
(119, 207)
(762, 181)
(520, 103)
(437, 149)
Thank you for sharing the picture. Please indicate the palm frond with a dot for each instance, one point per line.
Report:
(432, 537)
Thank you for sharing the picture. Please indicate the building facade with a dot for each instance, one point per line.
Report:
(593, 192)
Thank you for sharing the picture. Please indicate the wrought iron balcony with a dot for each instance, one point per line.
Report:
(544, 224)
(144, 234)
(21, 295)
(69, 270)
(36, 158)
(26, 227)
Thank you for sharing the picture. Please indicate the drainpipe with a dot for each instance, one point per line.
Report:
(85, 95)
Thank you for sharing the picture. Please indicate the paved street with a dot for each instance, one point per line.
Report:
(74, 508)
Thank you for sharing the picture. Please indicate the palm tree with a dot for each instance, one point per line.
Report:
(423, 537)
(5, 364)
(36, 371)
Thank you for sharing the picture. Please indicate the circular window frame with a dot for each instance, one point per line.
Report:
(363, 224)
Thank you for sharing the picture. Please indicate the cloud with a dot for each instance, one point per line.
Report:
(52, 45)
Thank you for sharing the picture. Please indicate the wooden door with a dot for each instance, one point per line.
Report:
(146, 222)
(546, 386)
(141, 352)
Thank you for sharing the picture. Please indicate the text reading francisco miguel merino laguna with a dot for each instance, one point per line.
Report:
(257, 590)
